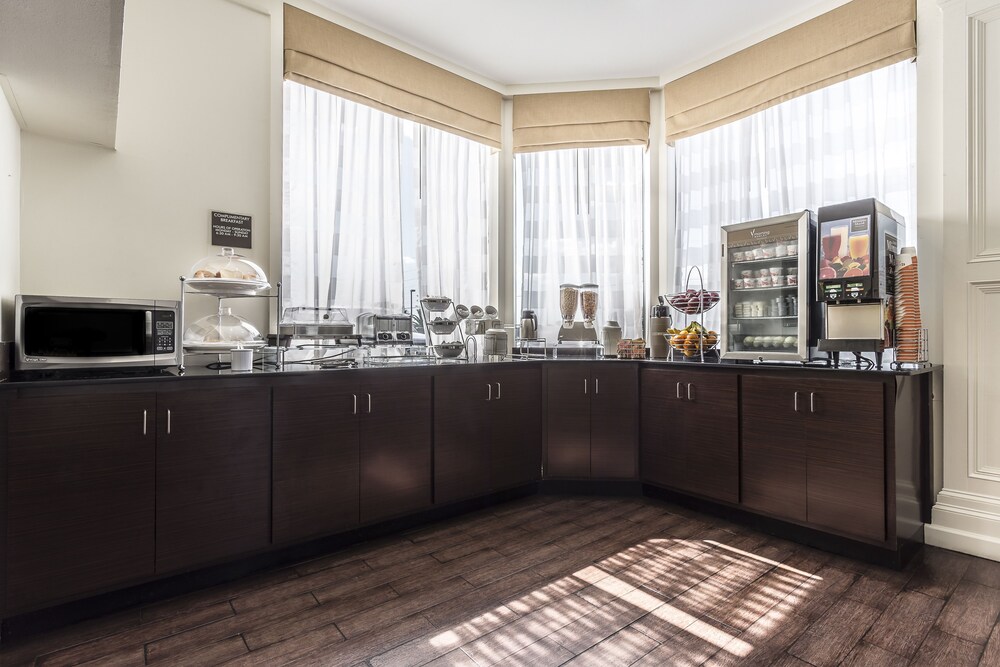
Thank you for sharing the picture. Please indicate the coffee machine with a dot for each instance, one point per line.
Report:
(858, 246)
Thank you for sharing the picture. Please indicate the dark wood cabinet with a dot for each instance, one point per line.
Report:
(213, 474)
(461, 435)
(515, 424)
(487, 431)
(774, 454)
(690, 432)
(347, 453)
(591, 424)
(80, 506)
(395, 442)
(814, 452)
(316, 460)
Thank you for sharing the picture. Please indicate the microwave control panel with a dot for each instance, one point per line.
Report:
(164, 333)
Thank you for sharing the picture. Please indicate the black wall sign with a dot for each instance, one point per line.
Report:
(231, 229)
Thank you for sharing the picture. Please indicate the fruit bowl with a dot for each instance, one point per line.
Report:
(693, 302)
(691, 343)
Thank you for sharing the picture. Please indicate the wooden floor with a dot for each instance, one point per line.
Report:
(555, 580)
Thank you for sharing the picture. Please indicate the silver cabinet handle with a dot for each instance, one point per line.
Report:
(812, 402)
(369, 403)
(144, 422)
(689, 391)
(489, 395)
(498, 391)
(597, 386)
(355, 403)
(168, 422)
(679, 390)
(796, 401)
(585, 385)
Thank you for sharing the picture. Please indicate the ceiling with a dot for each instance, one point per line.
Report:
(60, 62)
(559, 41)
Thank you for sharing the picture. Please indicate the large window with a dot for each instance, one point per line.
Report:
(376, 207)
(848, 141)
(579, 218)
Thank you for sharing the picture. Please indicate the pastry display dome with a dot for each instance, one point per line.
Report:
(222, 331)
(227, 273)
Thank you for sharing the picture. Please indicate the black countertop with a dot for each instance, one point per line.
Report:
(62, 378)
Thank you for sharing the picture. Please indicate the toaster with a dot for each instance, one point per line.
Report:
(385, 329)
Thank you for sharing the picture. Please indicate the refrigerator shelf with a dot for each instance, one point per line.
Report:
(764, 289)
(766, 317)
(767, 260)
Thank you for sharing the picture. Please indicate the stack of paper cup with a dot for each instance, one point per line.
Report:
(908, 323)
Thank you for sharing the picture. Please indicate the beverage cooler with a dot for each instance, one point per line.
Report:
(768, 300)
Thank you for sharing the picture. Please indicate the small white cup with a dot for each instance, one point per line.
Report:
(241, 360)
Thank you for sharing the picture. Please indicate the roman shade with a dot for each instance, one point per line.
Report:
(586, 119)
(852, 39)
(332, 58)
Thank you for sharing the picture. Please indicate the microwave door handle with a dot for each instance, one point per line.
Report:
(149, 333)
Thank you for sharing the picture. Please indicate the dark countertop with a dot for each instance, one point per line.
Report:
(56, 378)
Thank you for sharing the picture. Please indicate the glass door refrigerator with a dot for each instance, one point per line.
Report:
(768, 297)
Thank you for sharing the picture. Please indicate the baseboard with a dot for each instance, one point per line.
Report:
(591, 487)
(966, 522)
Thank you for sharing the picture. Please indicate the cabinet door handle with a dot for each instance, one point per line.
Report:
(796, 401)
(689, 391)
(355, 403)
(168, 422)
(585, 385)
(369, 403)
(812, 402)
(597, 386)
(489, 392)
(679, 391)
(498, 391)
(144, 422)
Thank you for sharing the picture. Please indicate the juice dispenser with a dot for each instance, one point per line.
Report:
(858, 246)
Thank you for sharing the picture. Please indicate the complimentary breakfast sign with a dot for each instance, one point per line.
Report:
(231, 229)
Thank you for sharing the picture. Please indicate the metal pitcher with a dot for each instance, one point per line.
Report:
(529, 325)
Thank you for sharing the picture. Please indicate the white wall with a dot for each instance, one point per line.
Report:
(10, 214)
(194, 135)
(966, 515)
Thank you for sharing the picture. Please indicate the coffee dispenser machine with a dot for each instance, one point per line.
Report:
(858, 245)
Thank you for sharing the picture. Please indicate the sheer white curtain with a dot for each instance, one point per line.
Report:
(579, 219)
(847, 141)
(375, 206)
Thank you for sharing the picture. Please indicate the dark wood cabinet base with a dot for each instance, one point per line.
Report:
(896, 558)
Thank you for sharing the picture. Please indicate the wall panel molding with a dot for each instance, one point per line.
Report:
(984, 201)
(984, 423)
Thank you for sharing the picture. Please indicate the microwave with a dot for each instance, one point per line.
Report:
(65, 332)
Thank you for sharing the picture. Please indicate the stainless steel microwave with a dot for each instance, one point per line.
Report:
(64, 332)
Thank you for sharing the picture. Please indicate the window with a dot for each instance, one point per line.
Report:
(579, 219)
(376, 206)
(848, 141)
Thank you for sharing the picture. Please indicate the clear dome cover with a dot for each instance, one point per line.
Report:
(229, 266)
(222, 330)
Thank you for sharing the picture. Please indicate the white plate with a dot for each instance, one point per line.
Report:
(223, 346)
(229, 286)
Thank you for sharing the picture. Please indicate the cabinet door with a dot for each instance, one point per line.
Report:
(846, 471)
(461, 435)
(567, 419)
(80, 482)
(516, 428)
(614, 421)
(315, 455)
(213, 475)
(773, 478)
(708, 441)
(661, 418)
(395, 446)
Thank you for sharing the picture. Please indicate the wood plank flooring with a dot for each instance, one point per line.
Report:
(562, 580)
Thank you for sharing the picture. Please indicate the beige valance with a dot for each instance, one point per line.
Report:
(553, 121)
(852, 39)
(332, 58)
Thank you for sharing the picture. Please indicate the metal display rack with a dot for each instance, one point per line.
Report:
(273, 293)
